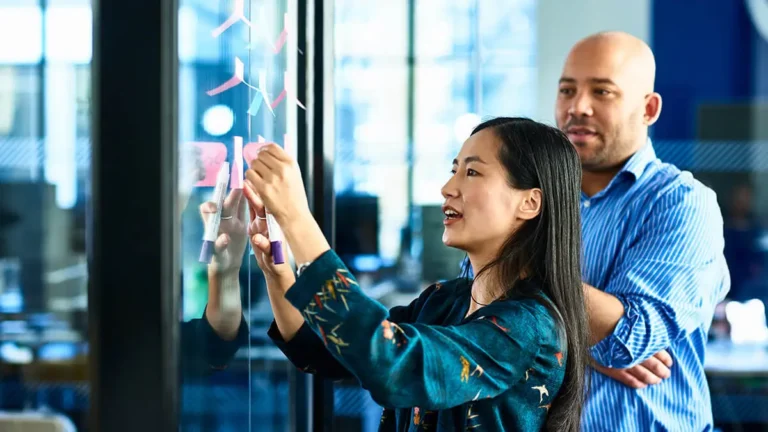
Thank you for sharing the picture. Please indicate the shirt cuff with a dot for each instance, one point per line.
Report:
(309, 282)
(297, 349)
(612, 351)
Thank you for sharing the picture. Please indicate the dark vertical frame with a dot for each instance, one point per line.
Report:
(313, 397)
(301, 383)
(134, 270)
(322, 125)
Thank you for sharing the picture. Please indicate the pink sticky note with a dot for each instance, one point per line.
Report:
(278, 99)
(236, 79)
(237, 15)
(283, 37)
(251, 150)
(213, 154)
(236, 181)
(288, 84)
(288, 146)
(287, 92)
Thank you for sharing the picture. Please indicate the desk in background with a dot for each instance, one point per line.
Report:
(738, 381)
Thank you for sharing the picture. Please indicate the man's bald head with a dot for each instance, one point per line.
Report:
(606, 100)
(626, 53)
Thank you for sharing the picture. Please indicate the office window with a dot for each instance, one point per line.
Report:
(400, 121)
(44, 181)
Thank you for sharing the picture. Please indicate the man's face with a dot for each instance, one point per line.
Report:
(599, 107)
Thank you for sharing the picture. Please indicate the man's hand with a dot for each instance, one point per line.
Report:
(649, 372)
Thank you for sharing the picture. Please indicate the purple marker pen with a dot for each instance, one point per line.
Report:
(275, 240)
(212, 227)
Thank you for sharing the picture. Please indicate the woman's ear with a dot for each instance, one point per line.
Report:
(530, 206)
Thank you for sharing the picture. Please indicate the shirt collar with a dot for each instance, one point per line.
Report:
(633, 168)
(637, 163)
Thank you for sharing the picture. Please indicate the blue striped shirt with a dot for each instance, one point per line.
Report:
(654, 239)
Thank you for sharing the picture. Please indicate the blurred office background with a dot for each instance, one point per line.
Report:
(410, 80)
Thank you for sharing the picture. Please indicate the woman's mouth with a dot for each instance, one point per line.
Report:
(451, 216)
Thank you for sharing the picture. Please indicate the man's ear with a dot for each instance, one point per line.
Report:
(652, 108)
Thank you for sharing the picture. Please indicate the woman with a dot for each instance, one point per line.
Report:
(505, 351)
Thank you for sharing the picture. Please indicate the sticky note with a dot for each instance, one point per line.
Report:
(283, 37)
(213, 154)
(287, 92)
(263, 90)
(236, 79)
(255, 104)
(288, 145)
(238, 14)
(251, 150)
(278, 99)
(236, 181)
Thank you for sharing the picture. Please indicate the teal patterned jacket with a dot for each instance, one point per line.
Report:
(429, 365)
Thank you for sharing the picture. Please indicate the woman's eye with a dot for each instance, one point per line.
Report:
(453, 172)
(471, 172)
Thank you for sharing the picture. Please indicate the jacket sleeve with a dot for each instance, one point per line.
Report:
(406, 365)
(309, 354)
(203, 351)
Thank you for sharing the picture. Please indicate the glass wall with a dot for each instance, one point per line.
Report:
(44, 189)
(237, 78)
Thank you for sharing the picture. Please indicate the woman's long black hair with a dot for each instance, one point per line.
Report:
(547, 247)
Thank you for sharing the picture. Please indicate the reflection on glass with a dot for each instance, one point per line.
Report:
(44, 189)
(237, 92)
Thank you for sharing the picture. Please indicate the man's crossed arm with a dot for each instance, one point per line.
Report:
(604, 312)
(664, 285)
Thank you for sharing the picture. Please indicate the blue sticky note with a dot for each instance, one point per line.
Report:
(256, 104)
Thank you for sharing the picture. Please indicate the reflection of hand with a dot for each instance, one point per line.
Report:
(276, 179)
(191, 171)
(230, 244)
(649, 372)
(259, 235)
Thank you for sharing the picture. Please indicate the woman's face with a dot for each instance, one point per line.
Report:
(481, 209)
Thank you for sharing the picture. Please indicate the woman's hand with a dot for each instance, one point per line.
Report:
(276, 179)
(258, 232)
(230, 244)
(191, 171)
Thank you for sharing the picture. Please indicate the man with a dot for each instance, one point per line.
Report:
(653, 246)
